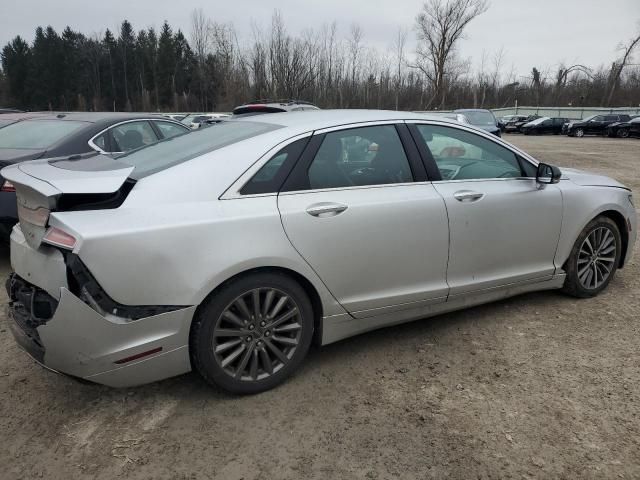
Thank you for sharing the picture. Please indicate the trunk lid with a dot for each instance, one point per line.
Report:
(72, 183)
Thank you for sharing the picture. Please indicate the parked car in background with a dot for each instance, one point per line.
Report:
(178, 117)
(273, 106)
(481, 118)
(544, 125)
(9, 110)
(594, 125)
(146, 285)
(515, 124)
(46, 135)
(502, 121)
(195, 120)
(458, 117)
(625, 129)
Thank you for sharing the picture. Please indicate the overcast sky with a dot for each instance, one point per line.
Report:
(539, 33)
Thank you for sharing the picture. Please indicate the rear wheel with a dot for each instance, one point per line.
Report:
(594, 259)
(623, 133)
(253, 333)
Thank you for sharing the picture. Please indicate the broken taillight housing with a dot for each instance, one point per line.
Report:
(7, 186)
(59, 238)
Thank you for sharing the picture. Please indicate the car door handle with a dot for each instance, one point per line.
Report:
(326, 209)
(467, 196)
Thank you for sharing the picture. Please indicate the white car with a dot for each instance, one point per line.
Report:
(231, 249)
(195, 120)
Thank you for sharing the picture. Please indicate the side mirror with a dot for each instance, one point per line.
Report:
(548, 173)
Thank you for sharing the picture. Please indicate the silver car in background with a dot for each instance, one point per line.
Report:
(231, 249)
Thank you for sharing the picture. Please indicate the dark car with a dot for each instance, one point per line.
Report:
(594, 125)
(544, 125)
(66, 134)
(516, 125)
(625, 129)
(9, 110)
(273, 106)
(481, 118)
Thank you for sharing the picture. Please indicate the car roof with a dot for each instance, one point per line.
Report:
(318, 119)
(95, 117)
(462, 110)
(23, 115)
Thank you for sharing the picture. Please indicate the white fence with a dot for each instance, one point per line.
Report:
(565, 112)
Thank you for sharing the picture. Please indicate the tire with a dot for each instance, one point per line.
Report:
(623, 133)
(579, 282)
(257, 367)
(579, 132)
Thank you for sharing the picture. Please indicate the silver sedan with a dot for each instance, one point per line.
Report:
(232, 249)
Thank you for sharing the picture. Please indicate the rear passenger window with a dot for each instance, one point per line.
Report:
(272, 174)
(132, 135)
(360, 156)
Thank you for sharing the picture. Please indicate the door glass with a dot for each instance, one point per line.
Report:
(360, 156)
(169, 130)
(461, 155)
(132, 135)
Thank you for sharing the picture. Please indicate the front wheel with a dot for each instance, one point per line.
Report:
(253, 333)
(579, 132)
(594, 259)
(623, 133)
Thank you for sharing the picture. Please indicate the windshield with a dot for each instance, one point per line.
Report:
(37, 134)
(173, 151)
(480, 118)
(587, 119)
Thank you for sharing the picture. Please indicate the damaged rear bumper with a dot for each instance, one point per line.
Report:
(65, 334)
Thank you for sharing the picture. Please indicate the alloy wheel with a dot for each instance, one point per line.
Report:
(579, 132)
(257, 334)
(596, 258)
(623, 133)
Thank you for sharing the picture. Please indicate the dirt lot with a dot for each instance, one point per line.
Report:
(539, 386)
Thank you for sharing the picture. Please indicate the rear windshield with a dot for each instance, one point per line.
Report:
(173, 151)
(36, 134)
(480, 118)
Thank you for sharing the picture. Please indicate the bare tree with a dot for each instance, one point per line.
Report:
(399, 45)
(200, 42)
(355, 47)
(616, 68)
(440, 26)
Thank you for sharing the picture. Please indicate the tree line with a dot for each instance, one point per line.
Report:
(214, 70)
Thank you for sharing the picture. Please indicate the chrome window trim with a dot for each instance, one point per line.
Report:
(233, 192)
(490, 179)
(349, 126)
(99, 150)
(356, 187)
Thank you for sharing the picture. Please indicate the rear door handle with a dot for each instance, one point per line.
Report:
(326, 209)
(467, 196)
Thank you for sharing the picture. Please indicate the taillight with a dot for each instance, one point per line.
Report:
(7, 186)
(59, 238)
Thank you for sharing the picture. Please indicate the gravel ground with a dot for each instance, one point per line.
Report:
(538, 386)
